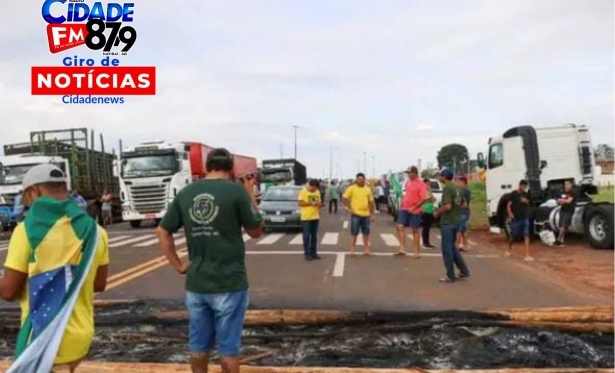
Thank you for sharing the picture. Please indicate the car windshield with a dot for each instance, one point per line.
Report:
(149, 165)
(435, 186)
(276, 175)
(281, 194)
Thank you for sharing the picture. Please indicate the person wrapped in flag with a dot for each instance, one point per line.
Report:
(57, 258)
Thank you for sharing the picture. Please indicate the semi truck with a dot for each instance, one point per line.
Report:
(152, 173)
(89, 171)
(281, 172)
(547, 157)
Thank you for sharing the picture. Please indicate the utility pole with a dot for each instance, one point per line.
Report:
(365, 163)
(330, 164)
(373, 166)
(295, 127)
(281, 151)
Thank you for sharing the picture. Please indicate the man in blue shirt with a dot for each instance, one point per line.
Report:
(80, 201)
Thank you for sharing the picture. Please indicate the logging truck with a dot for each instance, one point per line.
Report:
(547, 157)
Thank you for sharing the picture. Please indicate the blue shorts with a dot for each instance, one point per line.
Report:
(464, 217)
(216, 316)
(359, 223)
(409, 220)
(520, 228)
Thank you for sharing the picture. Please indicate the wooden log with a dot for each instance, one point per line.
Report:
(102, 367)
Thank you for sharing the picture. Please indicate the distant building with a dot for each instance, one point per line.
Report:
(607, 165)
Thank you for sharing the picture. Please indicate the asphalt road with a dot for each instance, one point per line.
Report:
(281, 278)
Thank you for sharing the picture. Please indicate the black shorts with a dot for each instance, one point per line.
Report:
(565, 219)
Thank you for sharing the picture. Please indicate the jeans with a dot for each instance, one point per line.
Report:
(333, 205)
(427, 223)
(450, 254)
(216, 316)
(360, 224)
(310, 237)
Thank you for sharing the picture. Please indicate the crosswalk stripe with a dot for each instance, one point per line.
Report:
(411, 237)
(118, 238)
(270, 239)
(345, 224)
(132, 240)
(298, 240)
(330, 238)
(390, 239)
(180, 241)
(360, 240)
(246, 237)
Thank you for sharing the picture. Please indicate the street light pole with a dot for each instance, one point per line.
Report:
(281, 151)
(373, 166)
(365, 163)
(330, 164)
(295, 127)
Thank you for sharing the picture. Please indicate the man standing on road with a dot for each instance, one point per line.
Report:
(449, 222)
(57, 258)
(566, 212)
(309, 204)
(79, 200)
(379, 195)
(427, 218)
(212, 212)
(411, 211)
(359, 201)
(520, 223)
(464, 216)
(333, 194)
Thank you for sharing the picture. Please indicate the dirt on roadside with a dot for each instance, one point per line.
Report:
(576, 263)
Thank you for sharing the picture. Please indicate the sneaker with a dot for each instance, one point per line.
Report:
(316, 257)
(308, 258)
(428, 246)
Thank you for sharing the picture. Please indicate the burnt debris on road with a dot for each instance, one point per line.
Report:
(156, 332)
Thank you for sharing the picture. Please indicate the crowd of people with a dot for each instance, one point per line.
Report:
(59, 256)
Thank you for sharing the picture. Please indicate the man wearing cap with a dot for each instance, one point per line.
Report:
(213, 212)
(449, 223)
(57, 258)
(411, 211)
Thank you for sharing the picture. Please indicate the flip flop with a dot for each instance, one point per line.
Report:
(445, 279)
(401, 253)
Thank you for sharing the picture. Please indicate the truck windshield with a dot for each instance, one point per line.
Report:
(14, 174)
(282, 194)
(149, 165)
(276, 175)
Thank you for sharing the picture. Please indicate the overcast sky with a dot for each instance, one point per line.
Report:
(394, 79)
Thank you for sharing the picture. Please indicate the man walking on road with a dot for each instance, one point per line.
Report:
(520, 223)
(57, 258)
(411, 211)
(359, 201)
(333, 195)
(464, 215)
(309, 204)
(449, 222)
(213, 212)
(566, 212)
(427, 218)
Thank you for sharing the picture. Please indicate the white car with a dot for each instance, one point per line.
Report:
(436, 189)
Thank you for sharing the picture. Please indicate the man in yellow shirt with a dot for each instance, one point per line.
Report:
(309, 203)
(57, 258)
(359, 200)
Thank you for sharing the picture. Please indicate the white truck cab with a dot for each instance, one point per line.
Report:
(14, 168)
(150, 175)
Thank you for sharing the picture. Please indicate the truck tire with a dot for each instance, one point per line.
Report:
(598, 227)
(135, 223)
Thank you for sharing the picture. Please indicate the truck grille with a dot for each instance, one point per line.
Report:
(149, 199)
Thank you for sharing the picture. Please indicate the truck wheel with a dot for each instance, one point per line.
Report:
(135, 223)
(598, 228)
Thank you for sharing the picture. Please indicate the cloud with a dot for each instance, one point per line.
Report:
(394, 79)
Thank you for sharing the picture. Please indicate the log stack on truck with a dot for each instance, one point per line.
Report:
(547, 157)
(89, 171)
(152, 173)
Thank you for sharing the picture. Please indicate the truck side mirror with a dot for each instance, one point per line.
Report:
(480, 160)
(543, 164)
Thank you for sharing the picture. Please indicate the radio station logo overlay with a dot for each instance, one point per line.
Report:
(106, 28)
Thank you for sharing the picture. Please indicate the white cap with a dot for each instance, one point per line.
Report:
(41, 174)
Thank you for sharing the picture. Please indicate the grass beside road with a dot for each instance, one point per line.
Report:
(478, 206)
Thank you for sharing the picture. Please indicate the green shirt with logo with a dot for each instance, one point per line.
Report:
(212, 213)
(452, 196)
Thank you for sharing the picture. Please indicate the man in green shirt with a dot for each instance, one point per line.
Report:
(333, 195)
(427, 218)
(213, 212)
(449, 224)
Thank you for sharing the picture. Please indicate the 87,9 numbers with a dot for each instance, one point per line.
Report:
(96, 39)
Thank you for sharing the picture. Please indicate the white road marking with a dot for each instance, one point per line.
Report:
(298, 240)
(338, 269)
(373, 254)
(132, 240)
(390, 239)
(270, 239)
(181, 241)
(330, 238)
(360, 240)
(118, 238)
(345, 225)
(147, 243)
(246, 237)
